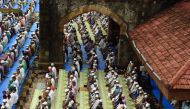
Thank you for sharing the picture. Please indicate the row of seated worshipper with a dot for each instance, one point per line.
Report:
(10, 4)
(93, 60)
(8, 28)
(94, 96)
(10, 24)
(48, 94)
(87, 42)
(93, 18)
(7, 4)
(74, 45)
(11, 55)
(73, 75)
(135, 90)
(82, 29)
(110, 60)
(70, 34)
(52, 71)
(104, 21)
(10, 96)
(72, 89)
(115, 89)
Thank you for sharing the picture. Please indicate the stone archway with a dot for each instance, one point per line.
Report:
(123, 45)
(54, 34)
(101, 9)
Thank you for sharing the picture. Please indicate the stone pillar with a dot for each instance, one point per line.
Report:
(44, 36)
(51, 41)
(125, 52)
(113, 32)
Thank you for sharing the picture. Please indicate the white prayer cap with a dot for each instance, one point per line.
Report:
(145, 96)
(4, 100)
(135, 82)
(145, 93)
(52, 64)
(75, 59)
(97, 95)
(20, 65)
(2, 61)
(44, 103)
(47, 91)
(71, 76)
(66, 90)
(97, 92)
(95, 76)
(134, 78)
(141, 92)
(137, 86)
(71, 103)
(147, 105)
(100, 100)
(133, 72)
(48, 88)
(140, 88)
(49, 67)
(130, 80)
(113, 99)
(94, 88)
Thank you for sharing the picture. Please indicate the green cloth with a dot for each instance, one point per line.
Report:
(24, 64)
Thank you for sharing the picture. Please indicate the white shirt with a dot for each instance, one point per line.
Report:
(16, 83)
(96, 104)
(1, 48)
(5, 39)
(14, 97)
(54, 71)
(51, 94)
(22, 72)
(52, 81)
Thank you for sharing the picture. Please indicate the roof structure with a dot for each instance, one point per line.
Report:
(164, 41)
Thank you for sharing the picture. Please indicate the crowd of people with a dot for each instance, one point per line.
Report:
(12, 25)
(94, 93)
(17, 26)
(135, 90)
(48, 94)
(115, 88)
(10, 4)
(77, 62)
(71, 41)
(10, 96)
